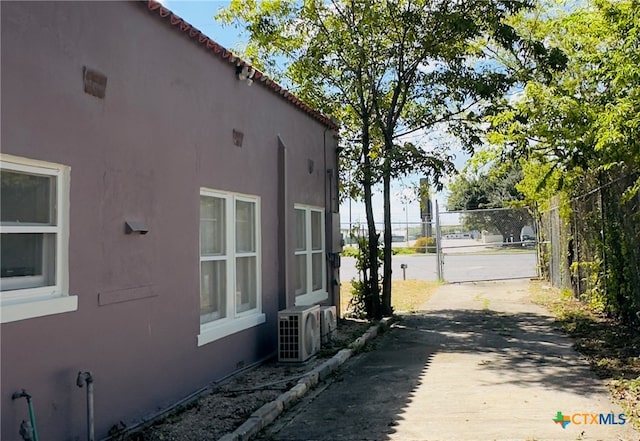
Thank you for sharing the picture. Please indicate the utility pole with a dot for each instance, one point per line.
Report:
(406, 220)
(439, 257)
(426, 211)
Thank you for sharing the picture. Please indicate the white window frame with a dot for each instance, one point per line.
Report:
(233, 321)
(27, 303)
(310, 296)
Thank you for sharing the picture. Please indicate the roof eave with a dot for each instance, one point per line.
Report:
(224, 54)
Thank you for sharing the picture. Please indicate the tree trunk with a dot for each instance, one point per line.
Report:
(373, 290)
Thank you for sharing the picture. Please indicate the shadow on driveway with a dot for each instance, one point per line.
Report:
(455, 374)
(526, 347)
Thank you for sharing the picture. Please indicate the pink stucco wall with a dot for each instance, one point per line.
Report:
(163, 131)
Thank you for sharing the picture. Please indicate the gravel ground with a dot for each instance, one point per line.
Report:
(224, 409)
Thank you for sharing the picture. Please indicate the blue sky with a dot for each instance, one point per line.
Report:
(201, 13)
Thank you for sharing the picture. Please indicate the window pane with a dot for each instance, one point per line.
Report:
(301, 274)
(246, 294)
(316, 270)
(28, 199)
(213, 283)
(301, 230)
(316, 230)
(28, 260)
(212, 226)
(245, 227)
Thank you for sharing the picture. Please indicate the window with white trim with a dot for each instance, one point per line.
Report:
(34, 231)
(230, 278)
(310, 264)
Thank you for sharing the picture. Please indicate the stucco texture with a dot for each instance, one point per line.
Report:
(162, 132)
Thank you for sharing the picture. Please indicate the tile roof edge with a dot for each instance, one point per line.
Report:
(224, 54)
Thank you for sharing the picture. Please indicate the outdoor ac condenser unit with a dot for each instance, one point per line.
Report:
(328, 324)
(298, 333)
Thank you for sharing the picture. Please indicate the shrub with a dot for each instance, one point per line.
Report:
(349, 251)
(425, 245)
(363, 303)
(403, 250)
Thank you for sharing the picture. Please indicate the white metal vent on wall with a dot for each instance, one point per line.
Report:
(328, 324)
(298, 333)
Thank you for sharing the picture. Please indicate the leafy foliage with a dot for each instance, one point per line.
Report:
(425, 245)
(588, 118)
(579, 134)
(493, 188)
(362, 290)
(389, 68)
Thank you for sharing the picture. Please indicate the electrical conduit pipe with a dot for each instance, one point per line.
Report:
(88, 378)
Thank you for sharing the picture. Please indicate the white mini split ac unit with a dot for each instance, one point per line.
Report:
(298, 333)
(328, 324)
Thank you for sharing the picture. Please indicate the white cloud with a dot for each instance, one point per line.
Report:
(430, 66)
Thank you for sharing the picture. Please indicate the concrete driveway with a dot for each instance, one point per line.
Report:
(481, 363)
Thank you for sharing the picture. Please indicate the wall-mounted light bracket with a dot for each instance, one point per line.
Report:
(245, 73)
(131, 227)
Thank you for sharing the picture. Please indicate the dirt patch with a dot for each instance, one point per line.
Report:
(226, 407)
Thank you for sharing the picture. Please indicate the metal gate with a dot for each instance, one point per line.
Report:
(486, 244)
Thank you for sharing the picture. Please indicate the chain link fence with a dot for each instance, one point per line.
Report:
(414, 252)
(487, 244)
(492, 229)
(474, 245)
(592, 244)
(553, 246)
(403, 234)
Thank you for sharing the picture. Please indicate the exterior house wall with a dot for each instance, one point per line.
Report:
(162, 132)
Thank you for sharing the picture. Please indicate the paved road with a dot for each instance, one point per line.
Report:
(483, 363)
(457, 267)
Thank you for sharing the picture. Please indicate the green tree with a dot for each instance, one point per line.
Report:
(588, 118)
(387, 69)
(580, 132)
(494, 188)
